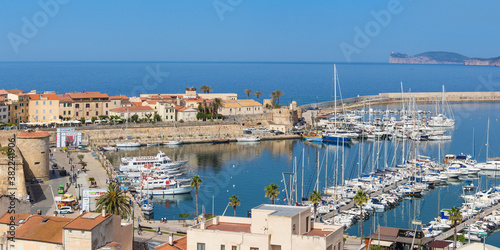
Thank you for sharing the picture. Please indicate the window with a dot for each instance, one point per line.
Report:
(97, 113)
(69, 113)
(234, 248)
(44, 118)
(36, 163)
(64, 105)
(50, 102)
(64, 112)
(307, 224)
(55, 118)
(106, 112)
(36, 102)
(106, 105)
(75, 113)
(43, 111)
(43, 102)
(36, 111)
(87, 113)
(87, 105)
(77, 106)
(97, 105)
(222, 247)
(254, 248)
(200, 246)
(50, 111)
(115, 102)
(69, 104)
(36, 117)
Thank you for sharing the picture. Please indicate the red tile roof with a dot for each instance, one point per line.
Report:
(180, 243)
(3, 92)
(118, 97)
(87, 221)
(136, 103)
(6, 218)
(15, 91)
(35, 229)
(84, 95)
(64, 98)
(132, 109)
(151, 102)
(50, 96)
(33, 134)
(34, 97)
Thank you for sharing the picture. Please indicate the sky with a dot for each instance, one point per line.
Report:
(244, 30)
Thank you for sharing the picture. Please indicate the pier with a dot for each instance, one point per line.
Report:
(395, 98)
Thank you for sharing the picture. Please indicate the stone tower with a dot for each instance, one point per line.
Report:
(34, 147)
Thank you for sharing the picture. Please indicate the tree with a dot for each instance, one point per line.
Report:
(115, 200)
(234, 201)
(196, 183)
(82, 120)
(134, 118)
(360, 199)
(93, 119)
(148, 116)
(315, 198)
(80, 157)
(206, 89)
(455, 215)
(273, 96)
(248, 91)
(272, 191)
(279, 94)
(257, 94)
(216, 105)
(157, 118)
(103, 117)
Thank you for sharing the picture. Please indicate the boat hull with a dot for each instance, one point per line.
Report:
(168, 191)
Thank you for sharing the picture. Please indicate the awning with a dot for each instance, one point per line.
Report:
(382, 243)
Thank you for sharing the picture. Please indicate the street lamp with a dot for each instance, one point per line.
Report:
(79, 195)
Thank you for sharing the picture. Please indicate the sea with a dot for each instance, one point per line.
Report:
(244, 169)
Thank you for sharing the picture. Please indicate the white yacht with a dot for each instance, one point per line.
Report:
(139, 163)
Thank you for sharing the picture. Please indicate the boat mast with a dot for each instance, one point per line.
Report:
(402, 101)
(488, 140)
(302, 176)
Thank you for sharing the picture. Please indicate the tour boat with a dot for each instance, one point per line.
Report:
(160, 161)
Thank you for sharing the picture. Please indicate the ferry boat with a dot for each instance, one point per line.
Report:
(139, 163)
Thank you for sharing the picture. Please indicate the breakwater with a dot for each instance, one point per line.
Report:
(392, 98)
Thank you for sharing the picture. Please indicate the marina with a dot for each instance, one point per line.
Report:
(222, 172)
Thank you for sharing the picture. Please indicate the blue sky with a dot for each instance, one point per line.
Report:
(243, 30)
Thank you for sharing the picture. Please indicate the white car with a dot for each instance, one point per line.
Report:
(251, 128)
(64, 210)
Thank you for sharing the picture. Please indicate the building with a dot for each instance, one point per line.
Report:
(4, 110)
(43, 108)
(18, 108)
(119, 101)
(66, 107)
(87, 231)
(89, 104)
(271, 227)
(240, 107)
(390, 237)
(128, 112)
(185, 113)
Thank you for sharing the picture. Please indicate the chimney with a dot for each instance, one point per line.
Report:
(171, 239)
(103, 211)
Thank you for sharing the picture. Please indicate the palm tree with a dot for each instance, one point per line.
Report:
(196, 183)
(248, 91)
(204, 88)
(216, 105)
(273, 95)
(257, 94)
(233, 202)
(115, 200)
(272, 191)
(455, 215)
(148, 116)
(360, 199)
(315, 198)
(278, 95)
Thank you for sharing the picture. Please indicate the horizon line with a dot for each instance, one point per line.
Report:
(156, 61)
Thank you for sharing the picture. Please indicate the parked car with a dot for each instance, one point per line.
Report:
(54, 166)
(251, 128)
(65, 210)
(60, 189)
(262, 128)
(63, 172)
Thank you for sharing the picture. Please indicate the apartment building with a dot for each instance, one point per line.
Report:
(185, 113)
(128, 112)
(90, 104)
(43, 108)
(270, 227)
(119, 101)
(241, 107)
(164, 106)
(4, 111)
(66, 107)
(87, 231)
(18, 108)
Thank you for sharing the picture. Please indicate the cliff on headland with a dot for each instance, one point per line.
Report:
(442, 57)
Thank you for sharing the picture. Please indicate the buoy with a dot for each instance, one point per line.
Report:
(231, 177)
(234, 186)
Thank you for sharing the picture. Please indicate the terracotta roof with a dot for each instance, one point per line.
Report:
(15, 91)
(231, 227)
(33, 134)
(34, 97)
(50, 96)
(180, 108)
(159, 96)
(3, 92)
(35, 229)
(132, 109)
(439, 244)
(180, 243)
(143, 98)
(136, 103)
(64, 98)
(87, 221)
(118, 97)
(1, 99)
(151, 102)
(83, 95)
(5, 219)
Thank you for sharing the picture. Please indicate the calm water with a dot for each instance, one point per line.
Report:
(245, 169)
(303, 82)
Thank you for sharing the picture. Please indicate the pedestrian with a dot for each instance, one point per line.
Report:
(159, 232)
(139, 229)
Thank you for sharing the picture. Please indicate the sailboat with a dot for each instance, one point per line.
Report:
(335, 135)
(491, 164)
(441, 120)
(175, 141)
(127, 144)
